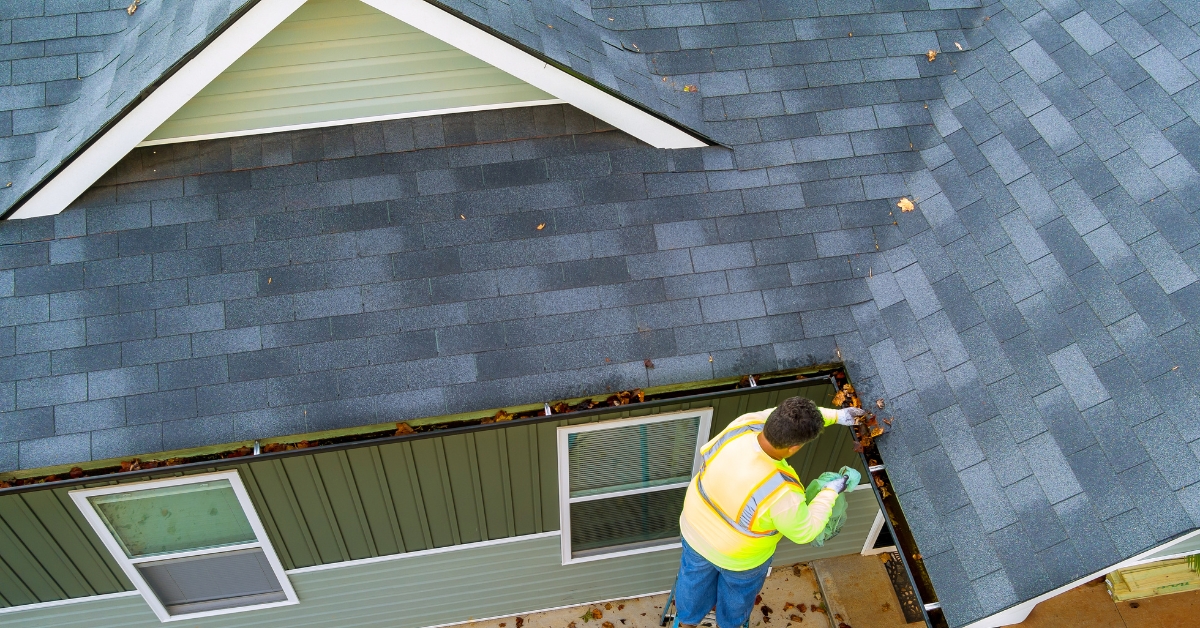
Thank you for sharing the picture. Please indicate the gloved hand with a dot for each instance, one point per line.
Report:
(846, 480)
(853, 477)
(849, 416)
(838, 485)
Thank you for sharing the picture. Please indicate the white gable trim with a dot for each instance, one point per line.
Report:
(229, 46)
(162, 103)
(483, 45)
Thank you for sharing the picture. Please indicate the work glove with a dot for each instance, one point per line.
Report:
(845, 480)
(849, 416)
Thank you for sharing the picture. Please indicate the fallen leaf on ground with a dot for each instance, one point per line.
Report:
(905, 205)
(607, 606)
(758, 599)
(803, 608)
(796, 618)
(620, 607)
(787, 606)
(931, 55)
(608, 624)
(520, 622)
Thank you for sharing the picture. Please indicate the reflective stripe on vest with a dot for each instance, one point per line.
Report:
(764, 490)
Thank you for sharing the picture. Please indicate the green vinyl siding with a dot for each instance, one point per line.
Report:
(337, 60)
(371, 501)
(455, 586)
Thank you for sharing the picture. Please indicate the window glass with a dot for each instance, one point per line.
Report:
(632, 456)
(613, 524)
(175, 518)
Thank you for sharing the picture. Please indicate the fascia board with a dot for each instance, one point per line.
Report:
(548, 78)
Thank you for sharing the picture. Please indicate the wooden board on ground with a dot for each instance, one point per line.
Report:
(1160, 578)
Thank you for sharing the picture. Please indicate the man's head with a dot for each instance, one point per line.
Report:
(795, 422)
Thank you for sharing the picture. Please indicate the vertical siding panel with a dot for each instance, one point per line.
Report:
(26, 566)
(522, 479)
(265, 515)
(81, 524)
(58, 523)
(43, 548)
(13, 591)
(405, 491)
(492, 478)
(344, 503)
(284, 509)
(435, 491)
(510, 525)
(547, 459)
(306, 486)
(458, 465)
(372, 496)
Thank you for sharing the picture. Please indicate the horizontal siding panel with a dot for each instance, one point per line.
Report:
(337, 60)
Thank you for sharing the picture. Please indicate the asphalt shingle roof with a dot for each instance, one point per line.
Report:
(1033, 324)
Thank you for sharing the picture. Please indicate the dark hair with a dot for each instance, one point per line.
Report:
(795, 422)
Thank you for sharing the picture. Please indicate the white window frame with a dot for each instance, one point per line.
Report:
(869, 548)
(128, 565)
(564, 480)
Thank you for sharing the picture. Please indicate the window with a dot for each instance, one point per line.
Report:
(621, 483)
(193, 546)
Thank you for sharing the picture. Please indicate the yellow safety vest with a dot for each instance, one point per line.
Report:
(736, 484)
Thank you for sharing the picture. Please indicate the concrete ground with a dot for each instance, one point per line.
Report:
(854, 592)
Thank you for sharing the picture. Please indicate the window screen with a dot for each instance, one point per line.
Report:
(192, 545)
(622, 483)
(213, 581)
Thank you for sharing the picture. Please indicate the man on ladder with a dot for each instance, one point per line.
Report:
(744, 497)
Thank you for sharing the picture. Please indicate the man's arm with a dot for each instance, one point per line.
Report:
(797, 520)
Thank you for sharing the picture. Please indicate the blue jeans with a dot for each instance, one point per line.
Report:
(701, 585)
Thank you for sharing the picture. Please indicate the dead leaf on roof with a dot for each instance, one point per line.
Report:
(905, 205)
(648, 363)
(876, 431)
(958, 45)
(931, 55)
(690, 88)
(133, 7)
(879, 403)
(541, 225)
(520, 622)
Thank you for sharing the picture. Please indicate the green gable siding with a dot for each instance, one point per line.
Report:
(441, 588)
(342, 60)
(379, 500)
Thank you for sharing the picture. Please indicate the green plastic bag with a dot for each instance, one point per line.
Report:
(838, 518)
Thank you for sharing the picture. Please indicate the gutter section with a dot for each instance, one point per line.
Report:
(889, 505)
